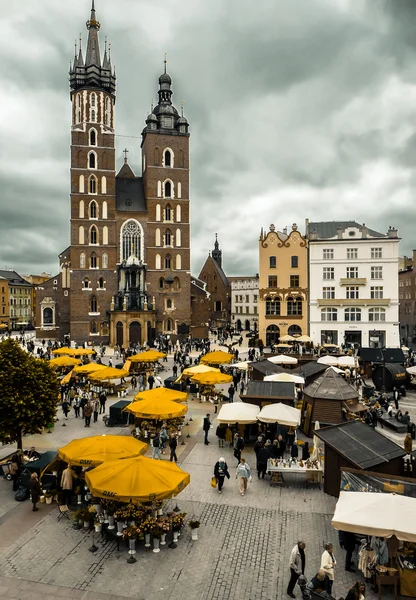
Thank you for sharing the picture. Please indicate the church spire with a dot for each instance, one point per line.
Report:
(217, 253)
(93, 47)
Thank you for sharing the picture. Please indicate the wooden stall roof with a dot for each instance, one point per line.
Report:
(310, 369)
(330, 386)
(265, 367)
(360, 444)
(378, 355)
(270, 389)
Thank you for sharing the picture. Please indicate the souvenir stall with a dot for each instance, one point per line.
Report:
(206, 383)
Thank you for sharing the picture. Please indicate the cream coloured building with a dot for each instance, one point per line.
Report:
(283, 284)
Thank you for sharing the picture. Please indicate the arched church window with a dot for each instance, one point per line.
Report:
(108, 112)
(93, 304)
(81, 209)
(169, 325)
(168, 237)
(47, 316)
(93, 210)
(93, 137)
(86, 283)
(93, 327)
(92, 184)
(81, 184)
(92, 160)
(93, 235)
(178, 238)
(105, 235)
(101, 283)
(104, 186)
(178, 213)
(168, 189)
(161, 283)
(82, 260)
(78, 108)
(178, 262)
(104, 210)
(168, 158)
(168, 262)
(81, 235)
(158, 212)
(104, 261)
(158, 262)
(131, 240)
(93, 261)
(168, 303)
(168, 213)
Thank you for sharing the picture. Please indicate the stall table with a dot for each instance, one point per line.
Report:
(276, 469)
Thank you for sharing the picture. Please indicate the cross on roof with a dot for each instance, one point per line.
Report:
(125, 154)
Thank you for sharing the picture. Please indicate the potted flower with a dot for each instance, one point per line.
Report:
(164, 525)
(147, 527)
(194, 525)
(109, 507)
(48, 497)
(159, 507)
(177, 521)
(84, 515)
(96, 503)
(97, 525)
(131, 534)
(78, 492)
(156, 533)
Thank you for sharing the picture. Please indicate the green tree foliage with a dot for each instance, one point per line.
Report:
(28, 393)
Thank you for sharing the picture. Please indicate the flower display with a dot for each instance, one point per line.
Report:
(131, 533)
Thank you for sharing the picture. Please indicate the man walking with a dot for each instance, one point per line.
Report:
(151, 381)
(206, 427)
(87, 414)
(103, 400)
(297, 566)
(173, 444)
(156, 446)
(231, 391)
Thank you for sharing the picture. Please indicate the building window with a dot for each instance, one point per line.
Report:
(131, 240)
(92, 184)
(178, 213)
(168, 325)
(168, 213)
(376, 252)
(86, 284)
(376, 272)
(81, 235)
(93, 327)
(93, 261)
(272, 262)
(272, 281)
(294, 306)
(168, 158)
(329, 314)
(93, 235)
(178, 262)
(78, 108)
(81, 209)
(167, 189)
(104, 188)
(81, 184)
(108, 112)
(82, 260)
(328, 273)
(352, 272)
(93, 137)
(157, 237)
(377, 314)
(352, 314)
(93, 304)
(161, 283)
(352, 253)
(273, 306)
(92, 160)
(218, 306)
(376, 292)
(294, 262)
(328, 293)
(352, 293)
(294, 281)
(158, 261)
(158, 212)
(168, 262)
(105, 235)
(178, 238)
(101, 283)
(104, 261)
(169, 303)
(328, 253)
(93, 210)
(168, 238)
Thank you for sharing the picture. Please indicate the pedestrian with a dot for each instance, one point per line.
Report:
(151, 381)
(65, 408)
(238, 445)
(243, 474)
(133, 383)
(175, 371)
(221, 472)
(88, 409)
(67, 482)
(357, 592)
(328, 563)
(103, 400)
(77, 404)
(228, 437)
(348, 543)
(164, 436)
(35, 490)
(258, 444)
(263, 456)
(206, 427)
(96, 408)
(408, 443)
(320, 583)
(156, 446)
(173, 444)
(220, 433)
(231, 392)
(297, 565)
(396, 397)
(282, 446)
(242, 387)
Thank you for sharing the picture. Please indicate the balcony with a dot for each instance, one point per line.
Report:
(354, 302)
(353, 281)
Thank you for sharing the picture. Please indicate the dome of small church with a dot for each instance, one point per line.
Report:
(165, 78)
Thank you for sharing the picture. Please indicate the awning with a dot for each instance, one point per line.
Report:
(355, 407)
(280, 413)
(238, 412)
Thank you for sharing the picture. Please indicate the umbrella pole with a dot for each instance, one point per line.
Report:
(93, 547)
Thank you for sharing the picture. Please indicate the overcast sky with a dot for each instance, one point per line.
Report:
(298, 109)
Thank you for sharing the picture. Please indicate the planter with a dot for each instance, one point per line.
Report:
(111, 522)
(86, 524)
(155, 514)
(105, 517)
(48, 499)
(132, 546)
(79, 499)
(147, 540)
(97, 508)
(194, 534)
(160, 512)
(120, 527)
(175, 537)
(163, 539)
(42, 499)
(98, 527)
(156, 544)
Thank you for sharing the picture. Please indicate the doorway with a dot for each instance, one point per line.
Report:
(353, 337)
(272, 335)
(135, 333)
(119, 334)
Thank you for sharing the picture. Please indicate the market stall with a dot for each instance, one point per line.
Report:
(217, 358)
(153, 406)
(238, 412)
(206, 383)
(285, 377)
(280, 413)
(309, 470)
(267, 392)
(93, 451)
(64, 361)
(283, 359)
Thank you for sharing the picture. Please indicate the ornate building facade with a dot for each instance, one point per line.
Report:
(126, 273)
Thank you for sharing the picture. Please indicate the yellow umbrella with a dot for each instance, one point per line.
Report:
(82, 351)
(287, 338)
(67, 377)
(101, 448)
(211, 378)
(108, 373)
(216, 358)
(63, 350)
(138, 479)
(64, 361)
(90, 368)
(157, 409)
(162, 394)
(304, 338)
(3, 326)
(147, 357)
(197, 369)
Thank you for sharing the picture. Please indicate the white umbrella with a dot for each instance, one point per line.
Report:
(238, 412)
(336, 370)
(328, 360)
(280, 413)
(284, 377)
(287, 338)
(283, 359)
(346, 361)
(375, 513)
(411, 370)
(304, 338)
(242, 366)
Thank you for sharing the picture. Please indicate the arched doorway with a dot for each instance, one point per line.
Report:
(247, 325)
(119, 334)
(294, 330)
(150, 337)
(272, 335)
(238, 325)
(135, 333)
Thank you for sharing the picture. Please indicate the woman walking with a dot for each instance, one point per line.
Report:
(221, 472)
(328, 563)
(35, 491)
(243, 474)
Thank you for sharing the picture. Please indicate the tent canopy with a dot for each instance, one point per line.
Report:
(150, 356)
(197, 369)
(64, 361)
(283, 359)
(100, 448)
(238, 412)
(285, 377)
(373, 513)
(108, 373)
(280, 413)
(211, 378)
(328, 360)
(216, 358)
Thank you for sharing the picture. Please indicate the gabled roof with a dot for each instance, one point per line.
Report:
(130, 195)
(330, 386)
(310, 368)
(14, 278)
(265, 367)
(360, 444)
(378, 355)
(199, 287)
(328, 229)
(270, 389)
(220, 272)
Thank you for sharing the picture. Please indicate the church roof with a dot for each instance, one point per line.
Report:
(130, 196)
(220, 272)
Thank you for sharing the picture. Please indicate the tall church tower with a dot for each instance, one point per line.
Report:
(165, 166)
(93, 250)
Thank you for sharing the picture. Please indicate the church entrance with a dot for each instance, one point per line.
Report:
(119, 334)
(135, 333)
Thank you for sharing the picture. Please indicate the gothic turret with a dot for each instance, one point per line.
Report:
(93, 73)
(217, 253)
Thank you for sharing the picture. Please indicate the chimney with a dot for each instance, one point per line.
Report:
(313, 235)
(340, 231)
(392, 232)
(364, 231)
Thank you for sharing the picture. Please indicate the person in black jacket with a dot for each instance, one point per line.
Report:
(320, 583)
(282, 446)
(348, 543)
(258, 444)
(221, 472)
(275, 449)
(206, 427)
(35, 490)
(173, 444)
(263, 456)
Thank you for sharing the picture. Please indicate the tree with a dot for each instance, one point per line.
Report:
(28, 393)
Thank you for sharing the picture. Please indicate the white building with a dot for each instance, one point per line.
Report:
(244, 302)
(354, 294)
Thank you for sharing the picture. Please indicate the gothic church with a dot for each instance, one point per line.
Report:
(125, 277)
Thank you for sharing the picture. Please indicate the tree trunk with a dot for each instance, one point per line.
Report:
(19, 441)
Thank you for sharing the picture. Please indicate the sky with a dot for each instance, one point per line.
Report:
(297, 108)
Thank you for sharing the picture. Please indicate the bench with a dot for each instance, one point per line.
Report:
(393, 423)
